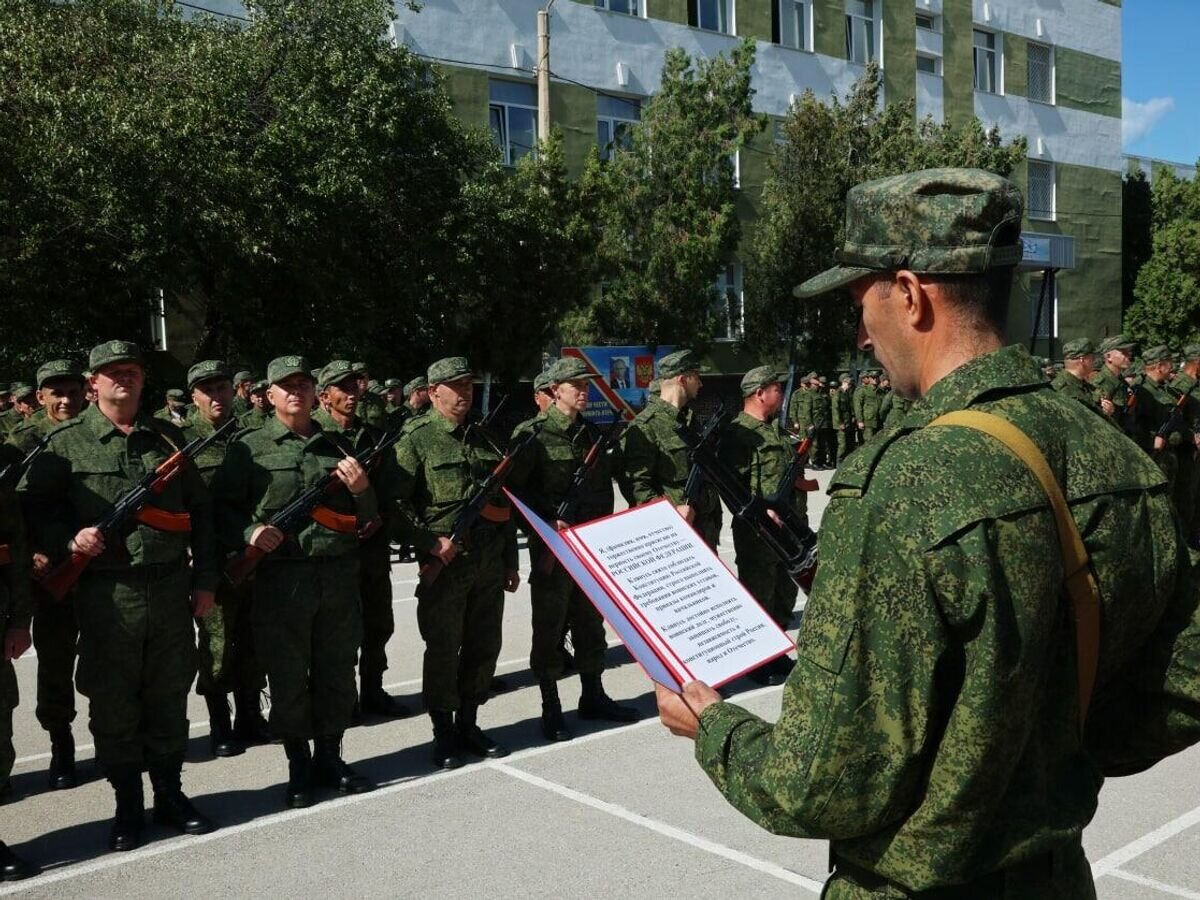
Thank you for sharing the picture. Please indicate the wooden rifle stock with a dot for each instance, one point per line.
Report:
(58, 580)
(240, 567)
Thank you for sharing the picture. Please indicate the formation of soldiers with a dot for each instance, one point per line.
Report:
(840, 415)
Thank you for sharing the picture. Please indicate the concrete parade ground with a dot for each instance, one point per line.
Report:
(619, 811)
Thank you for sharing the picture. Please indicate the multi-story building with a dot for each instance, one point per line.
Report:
(1049, 70)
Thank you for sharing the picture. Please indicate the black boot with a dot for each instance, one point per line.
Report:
(249, 726)
(471, 737)
(221, 739)
(445, 740)
(130, 819)
(595, 704)
(171, 806)
(374, 700)
(299, 786)
(62, 759)
(554, 726)
(13, 868)
(331, 770)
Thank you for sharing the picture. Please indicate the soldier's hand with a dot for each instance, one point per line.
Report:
(680, 713)
(862, 426)
(445, 550)
(352, 475)
(266, 538)
(688, 513)
(560, 525)
(202, 602)
(512, 581)
(774, 517)
(1106, 406)
(370, 529)
(1196, 440)
(89, 542)
(41, 565)
(1160, 442)
(16, 642)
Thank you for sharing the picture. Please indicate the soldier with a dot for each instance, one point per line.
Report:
(541, 477)
(137, 651)
(417, 394)
(1074, 381)
(24, 402)
(393, 395)
(338, 392)
(55, 631)
(752, 446)
(371, 408)
(866, 406)
(842, 415)
(243, 384)
(656, 459)
(1111, 390)
(175, 408)
(1156, 401)
(227, 664)
(8, 415)
(306, 612)
(1187, 482)
(260, 411)
(441, 460)
(938, 695)
(800, 406)
(821, 407)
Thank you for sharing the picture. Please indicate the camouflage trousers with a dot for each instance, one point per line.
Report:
(556, 602)
(845, 443)
(9, 698)
(824, 447)
(227, 661)
(379, 621)
(55, 638)
(460, 616)
(137, 659)
(307, 627)
(763, 574)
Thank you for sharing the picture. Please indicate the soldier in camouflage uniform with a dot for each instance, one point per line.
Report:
(1187, 482)
(243, 384)
(24, 403)
(55, 631)
(799, 420)
(137, 650)
(441, 461)
(260, 411)
(1155, 404)
(932, 727)
(866, 406)
(175, 408)
(656, 459)
(416, 394)
(1074, 380)
(824, 445)
(842, 413)
(753, 448)
(541, 476)
(1112, 391)
(306, 612)
(9, 419)
(371, 408)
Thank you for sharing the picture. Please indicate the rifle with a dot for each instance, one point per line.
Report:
(695, 479)
(11, 474)
(793, 476)
(1175, 419)
(790, 538)
(307, 505)
(493, 412)
(478, 505)
(134, 504)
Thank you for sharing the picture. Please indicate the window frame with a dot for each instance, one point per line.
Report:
(997, 53)
(607, 151)
(1052, 100)
(876, 38)
(730, 10)
(806, 25)
(1049, 312)
(725, 293)
(937, 64)
(506, 130)
(933, 22)
(639, 13)
(1042, 215)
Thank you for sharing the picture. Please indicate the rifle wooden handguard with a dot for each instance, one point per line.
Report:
(161, 520)
(334, 521)
(495, 513)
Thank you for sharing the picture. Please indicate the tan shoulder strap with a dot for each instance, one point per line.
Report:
(1081, 586)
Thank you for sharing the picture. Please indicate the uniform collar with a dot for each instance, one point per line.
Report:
(556, 420)
(104, 428)
(662, 407)
(1004, 371)
(329, 423)
(278, 432)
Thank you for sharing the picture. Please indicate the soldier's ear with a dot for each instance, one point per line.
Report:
(918, 308)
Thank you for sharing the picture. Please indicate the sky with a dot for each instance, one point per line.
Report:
(1161, 90)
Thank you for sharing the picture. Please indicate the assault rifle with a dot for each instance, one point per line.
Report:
(480, 505)
(308, 505)
(695, 479)
(1175, 419)
(134, 504)
(793, 476)
(11, 474)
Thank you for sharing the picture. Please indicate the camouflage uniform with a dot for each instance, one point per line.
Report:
(1111, 386)
(16, 609)
(843, 421)
(799, 418)
(824, 446)
(931, 729)
(894, 409)
(1072, 386)
(866, 410)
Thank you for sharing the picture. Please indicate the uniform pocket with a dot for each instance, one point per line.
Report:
(821, 649)
(448, 480)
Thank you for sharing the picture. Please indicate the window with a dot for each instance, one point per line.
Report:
(792, 23)
(512, 115)
(930, 64)
(614, 119)
(927, 22)
(1040, 73)
(631, 7)
(987, 67)
(1041, 190)
(729, 307)
(1046, 324)
(860, 31)
(711, 15)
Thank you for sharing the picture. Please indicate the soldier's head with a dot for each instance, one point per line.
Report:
(292, 390)
(211, 386)
(364, 377)
(1191, 360)
(416, 393)
(339, 388)
(679, 373)
(258, 395)
(762, 392)
(1079, 358)
(25, 399)
(117, 375)
(1157, 362)
(60, 389)
(242, 382)
(451, 387)
(569, 379)
(928, 258)
(543, 394)
(1118, 353)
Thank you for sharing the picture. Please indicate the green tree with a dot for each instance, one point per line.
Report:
(1137, 230)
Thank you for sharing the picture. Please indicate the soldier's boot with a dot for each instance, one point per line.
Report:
(249, 725)
(374, 699)
(554, 726)
(331, 770)
(445, 740)
(61, 774)
(594, 703)
(299, 787)
(130, 820)
(471, 737)
(221, 739)
(171, 806)
(13, 868)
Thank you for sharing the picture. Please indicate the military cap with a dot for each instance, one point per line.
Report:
(259, 386)
(111, 352)
(206, 370)
(358, 367)
(761, 376)
(286, 366)
(335, 371)
(20, 389)
(391, 384)
(177, 395)
(58, 368)
(242, 376)
(449, 369)
(415, 385)
(569, 368)
(678, 363)
(1156, 354)
(1116, 342)
(1191, 351)
(933, 221)
(811, 376)
(376, 388)
(1078, 348)
(541, 381)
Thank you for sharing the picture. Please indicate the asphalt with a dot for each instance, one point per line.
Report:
(620, 811)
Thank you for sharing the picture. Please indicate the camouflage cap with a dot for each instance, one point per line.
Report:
(206, 370)
(259, 386)
(391, 384)
(286, 366)
(242, 376)
(177, 395)
(451, 368)
(58, 368)
(541, 381)
(1157, 354)
(111, 352)
(761, 376)
(678, 363)
(933, 221)
(1078, 348)
(335, 371)
(569, 368)
(1191, 351)
(1116, 342)
(21, 390)
(415, 385)
(359, 367)
(811, 376)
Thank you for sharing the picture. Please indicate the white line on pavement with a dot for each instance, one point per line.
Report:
(678, 834)
(1146, 842)
(1151, 883)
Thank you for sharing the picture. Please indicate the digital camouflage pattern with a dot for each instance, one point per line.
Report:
(1070, 385)
(930, 728)
(800, 405)
(844, 423)
(26, 435)
(867, 403)
(1110, 386)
